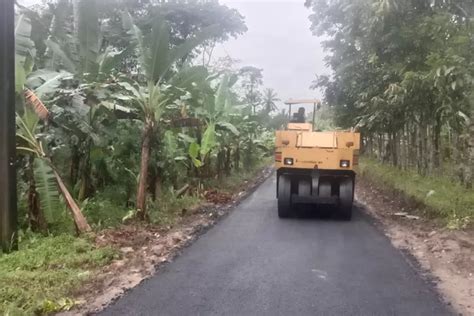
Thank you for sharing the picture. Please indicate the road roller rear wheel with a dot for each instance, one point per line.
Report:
(325, 189)
(304, 188)
(284, 196)
(346, 196)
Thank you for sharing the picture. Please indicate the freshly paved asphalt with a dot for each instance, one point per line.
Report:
(253, 263)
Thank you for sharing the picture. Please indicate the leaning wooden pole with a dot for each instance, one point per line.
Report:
(8, 211)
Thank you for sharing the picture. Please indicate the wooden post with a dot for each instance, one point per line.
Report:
(8, 211)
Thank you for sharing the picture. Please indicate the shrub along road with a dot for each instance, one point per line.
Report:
(254, 263)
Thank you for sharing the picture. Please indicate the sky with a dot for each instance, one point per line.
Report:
(279, 41)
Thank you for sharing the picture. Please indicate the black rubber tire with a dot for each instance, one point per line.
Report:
(346, 197)
(304, 188)
(324, 188)
(284, 197)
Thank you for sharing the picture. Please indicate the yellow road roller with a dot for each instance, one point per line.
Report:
(314, 167)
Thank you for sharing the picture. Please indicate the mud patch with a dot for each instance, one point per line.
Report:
(447, 254)
(216, 197)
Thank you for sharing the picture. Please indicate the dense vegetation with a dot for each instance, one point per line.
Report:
(121, 106)
(429, 196)
(123, 115)
(403, 74)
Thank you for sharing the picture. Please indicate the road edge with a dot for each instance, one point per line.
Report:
(160, 250)
(423, 243)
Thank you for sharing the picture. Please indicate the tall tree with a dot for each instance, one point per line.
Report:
(251, 80)
(270, 98)
(156, 57)
(401, 73)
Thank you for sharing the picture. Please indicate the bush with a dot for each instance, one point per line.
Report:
(443, 197)
(38, 278)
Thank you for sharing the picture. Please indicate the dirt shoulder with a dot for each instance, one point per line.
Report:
(144, 249)
(446, 255)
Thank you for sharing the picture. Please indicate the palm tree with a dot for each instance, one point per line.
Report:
(269, 100)
(155, 57)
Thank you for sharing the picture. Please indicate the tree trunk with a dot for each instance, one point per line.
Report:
(419, 149)
(380, 148)
(237, 158)
(157, 191)
(413, 159)
(74, 167)
(35, 214)
(228, 161)
(79, 220)
(469, 172)
(221, 163)
(85, 189)
(142, 182)
(403, 147)
(396, 149)
(248, 157)
(436, 146)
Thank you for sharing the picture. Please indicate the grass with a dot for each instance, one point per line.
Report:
(235, 181)
(443, 197)
(39, 278)
(168, 208)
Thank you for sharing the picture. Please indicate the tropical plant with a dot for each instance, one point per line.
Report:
(43, 172)
(403, 74)
(156, 58)
(91, 81)
(30, 143)
(269, 101)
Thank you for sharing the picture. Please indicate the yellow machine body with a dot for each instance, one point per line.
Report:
(316, 150)
(315, 167)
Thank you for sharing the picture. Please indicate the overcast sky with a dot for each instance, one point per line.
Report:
(279, 41)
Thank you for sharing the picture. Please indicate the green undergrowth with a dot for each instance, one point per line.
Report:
(38, 278)
(236, 180)
(441, 196)
(168, 208)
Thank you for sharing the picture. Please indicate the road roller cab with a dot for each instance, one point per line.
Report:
(314, 167)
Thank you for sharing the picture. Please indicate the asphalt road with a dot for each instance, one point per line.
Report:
(253, 263)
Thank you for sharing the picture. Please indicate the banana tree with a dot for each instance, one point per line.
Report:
(91, 66)
(42, 175)
(47, 177)
(156, 58)
(217, 112)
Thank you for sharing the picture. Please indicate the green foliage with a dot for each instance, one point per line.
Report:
(107, 87)
(105, 84)
(442, 197)
(47, 189)
(39, 278)
(103, 211)
(208, 141)
(168, 209)
(269, 101)
(238, 180)
(154, 51)
(194, 150)
(403, 72)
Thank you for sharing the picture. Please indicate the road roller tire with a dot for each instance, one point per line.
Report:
(346, 197)
(304, 188)
(325, 189)
(284, 196)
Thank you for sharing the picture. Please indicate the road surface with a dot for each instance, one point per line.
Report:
(253, 263)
